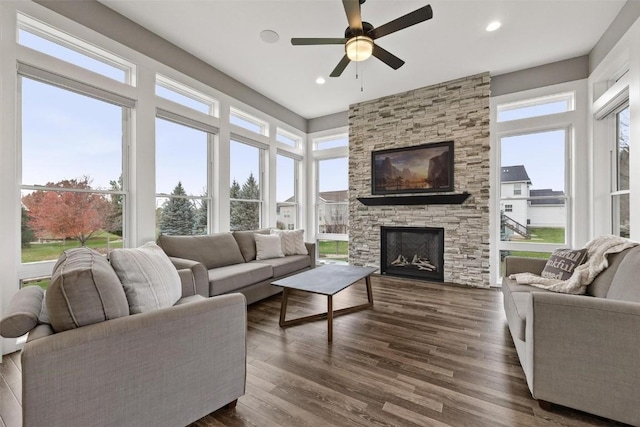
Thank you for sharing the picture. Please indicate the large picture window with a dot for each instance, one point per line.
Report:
(286, 192)
(245, 193)
(182, 191)
(620, 203)
(332, 205)
(72, 187)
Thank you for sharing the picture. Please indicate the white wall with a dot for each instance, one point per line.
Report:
(547, 215)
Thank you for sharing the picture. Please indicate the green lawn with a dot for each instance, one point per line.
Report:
(51, 250)
(546, 235)
(335, 250)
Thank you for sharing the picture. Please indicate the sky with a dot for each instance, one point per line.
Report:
(542, 155)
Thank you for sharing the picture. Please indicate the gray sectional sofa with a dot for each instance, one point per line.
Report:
(89, 362)
(226, 262)
(580, 351)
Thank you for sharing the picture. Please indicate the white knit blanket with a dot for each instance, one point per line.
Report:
(583, 275)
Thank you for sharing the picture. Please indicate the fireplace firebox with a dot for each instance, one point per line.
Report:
(413, 252)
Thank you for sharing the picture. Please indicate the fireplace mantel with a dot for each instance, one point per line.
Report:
(426, 199)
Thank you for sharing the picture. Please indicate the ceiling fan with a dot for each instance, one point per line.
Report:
(359, 36)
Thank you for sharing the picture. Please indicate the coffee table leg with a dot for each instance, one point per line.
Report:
(369, 290)
(283, 305)
(330, 317)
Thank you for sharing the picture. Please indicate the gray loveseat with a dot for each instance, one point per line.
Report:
(580, 351)
(226, 262)
(88, 362)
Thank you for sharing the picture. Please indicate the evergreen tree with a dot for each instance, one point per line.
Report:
(28, 235)
(245, 215)
(200, 217)
(177, 215)
(113, 222)
(236, 207)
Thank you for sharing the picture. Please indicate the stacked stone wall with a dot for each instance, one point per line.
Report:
(456, 111)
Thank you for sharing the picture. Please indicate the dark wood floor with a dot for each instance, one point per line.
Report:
(427, 354)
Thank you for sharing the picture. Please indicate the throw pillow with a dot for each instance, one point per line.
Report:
(83, 290)
(292, 241)
(149, 278)
(563, 262)
(268, 246)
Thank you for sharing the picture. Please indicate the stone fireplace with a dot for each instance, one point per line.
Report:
(457, 111)
(415, 252)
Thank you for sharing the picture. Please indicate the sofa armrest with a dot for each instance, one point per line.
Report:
(183, 361)
(199, 271)
(311, 248)
(518, 264)
(583, 352)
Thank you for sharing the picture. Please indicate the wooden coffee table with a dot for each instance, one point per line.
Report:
(325, 280)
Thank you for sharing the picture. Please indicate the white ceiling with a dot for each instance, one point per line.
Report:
(226, 34)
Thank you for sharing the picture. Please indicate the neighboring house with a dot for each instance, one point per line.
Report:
(333, 212)
(519, 214)
(547, 212)
(286, 214)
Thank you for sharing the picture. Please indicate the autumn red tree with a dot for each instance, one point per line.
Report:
(67, 214)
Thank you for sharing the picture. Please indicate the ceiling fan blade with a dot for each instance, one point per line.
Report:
(388, 58)
(352, 8)
(314, 41)
(413, 18)
(340, 67)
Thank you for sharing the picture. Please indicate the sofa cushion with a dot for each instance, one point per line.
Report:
(212, 250)
(292, 241)
(23, 312)
(625, 283)
(247, 243)
(599, 287)
(286, 265)
(562, 263)
(268, 247)
(84, 290)
(149, 278)
(233, 277)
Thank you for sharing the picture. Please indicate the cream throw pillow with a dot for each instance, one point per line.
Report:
(292, 241)
(149, 278)
(268, 246)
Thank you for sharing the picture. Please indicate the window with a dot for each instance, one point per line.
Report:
(287, 138)
(38, 36)
(248, 122)
(245, 193)
(538, 160)
(517, 189)
(286, 194)
(536, 107)
(620, 205)
(73, 190)
(331, 142)
(184, 95)
(182, 191)
(333, 210)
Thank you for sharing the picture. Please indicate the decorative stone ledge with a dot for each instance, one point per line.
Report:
(431, 199)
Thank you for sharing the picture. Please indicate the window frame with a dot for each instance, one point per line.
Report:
(576, 167)
(262, 153)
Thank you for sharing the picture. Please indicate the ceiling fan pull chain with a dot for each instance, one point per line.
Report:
(362, 81)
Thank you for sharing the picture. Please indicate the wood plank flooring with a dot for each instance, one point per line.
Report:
(426, 354)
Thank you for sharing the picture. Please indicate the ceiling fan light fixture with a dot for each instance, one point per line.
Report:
(359, 48)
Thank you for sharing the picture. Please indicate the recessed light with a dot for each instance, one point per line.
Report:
(493, 26)
(320, 80)
(269, 36)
